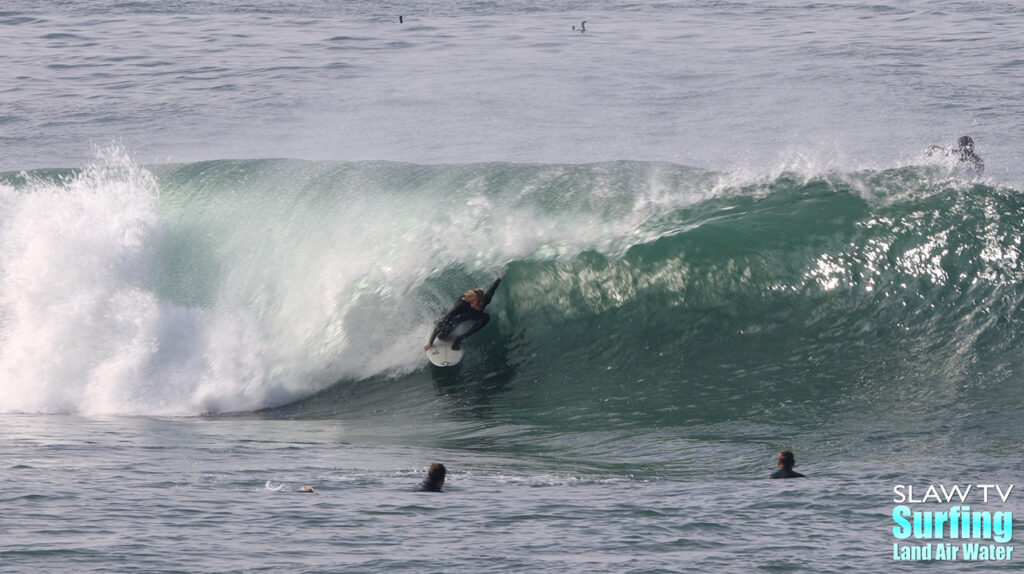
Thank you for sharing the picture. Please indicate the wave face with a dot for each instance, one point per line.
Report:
(636, 293)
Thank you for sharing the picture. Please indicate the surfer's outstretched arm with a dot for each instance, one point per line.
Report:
(430, 342)
(494, 287)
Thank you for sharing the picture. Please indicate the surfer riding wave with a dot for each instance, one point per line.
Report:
(469, 307)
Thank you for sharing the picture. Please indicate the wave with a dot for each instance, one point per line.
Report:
(636, 292)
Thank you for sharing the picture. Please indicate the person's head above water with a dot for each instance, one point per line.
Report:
(475, 298)
(786, 459)
(436, 473)
(966, 143)
(434, 480)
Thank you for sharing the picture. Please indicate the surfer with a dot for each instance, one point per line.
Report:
(469, 307)
(434, 480)
(964, 152)
(786, 463)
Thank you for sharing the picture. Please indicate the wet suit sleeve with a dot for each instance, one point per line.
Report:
(490, 292)
(449, 321)
(978, 164)
(481, 320)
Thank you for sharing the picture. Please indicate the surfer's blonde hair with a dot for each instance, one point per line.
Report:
(473, 295)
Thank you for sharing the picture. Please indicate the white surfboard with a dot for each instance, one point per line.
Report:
(442, 354)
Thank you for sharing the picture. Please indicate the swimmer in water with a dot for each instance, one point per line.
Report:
(434, 480)
(964, 153)
(786, 463)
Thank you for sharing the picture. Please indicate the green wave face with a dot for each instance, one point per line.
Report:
(803, 300)
(636, 293)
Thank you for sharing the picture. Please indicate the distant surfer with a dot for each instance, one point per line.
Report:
(786, 463)
(583, 27)
(964, 153)
(469, 307)
(434, 480)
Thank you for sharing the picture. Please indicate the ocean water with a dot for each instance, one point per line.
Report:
(226, 230)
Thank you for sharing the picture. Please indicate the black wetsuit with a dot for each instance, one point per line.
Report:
(429, 486)
(460, 313)
(786, 473)
(972, 160)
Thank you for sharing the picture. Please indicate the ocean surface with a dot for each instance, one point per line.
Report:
(227, 228)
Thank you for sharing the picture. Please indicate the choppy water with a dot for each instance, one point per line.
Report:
(721, 235)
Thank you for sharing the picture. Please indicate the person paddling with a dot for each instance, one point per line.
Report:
(964, 153)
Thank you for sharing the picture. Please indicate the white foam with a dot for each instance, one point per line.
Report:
(77, 314)
(300, 287)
